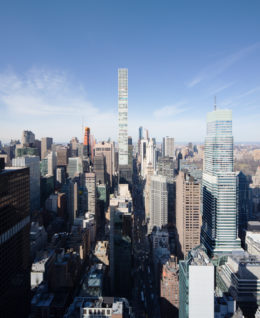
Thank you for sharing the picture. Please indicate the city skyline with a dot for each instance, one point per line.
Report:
(179, 57)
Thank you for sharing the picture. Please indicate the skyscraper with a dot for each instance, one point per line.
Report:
(28, 138)
(33, 162)
(107, 149)
(220, 216)
(168, 147)
(87, 142)
(123, 115)
(14, 242)
(90, 184)
(158, 202)
(45, 146)
(188, 218)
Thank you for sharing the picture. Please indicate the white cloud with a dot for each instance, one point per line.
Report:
(222, 65)
(51, 104)
(169, 111)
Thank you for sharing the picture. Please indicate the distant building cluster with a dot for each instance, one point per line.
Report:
(130, 229)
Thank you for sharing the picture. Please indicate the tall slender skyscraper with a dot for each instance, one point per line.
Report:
(123, 115)
(220, 215)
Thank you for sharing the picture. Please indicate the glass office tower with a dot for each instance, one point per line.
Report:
(219, 231)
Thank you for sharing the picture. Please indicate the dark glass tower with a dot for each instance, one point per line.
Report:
(14, 242)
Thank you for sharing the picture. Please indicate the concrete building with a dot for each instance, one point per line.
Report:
(38, 238)
(107, 149)
(165, 167)
(188, 217)
(90, 184)
(60, 176)
(252, 242)
(33, 162)
(240, 276)
(46, 146)
(101, 252)
(120, 259)
(123, 116)
(169, 288)
(52, 163)
(100, 169)
(143, 156)
(168, 147)
(74, 167)
(147, 191)
(28, 138)
(196, 270)
(62, 156)
(14, 242)
(41, 267)
(91, 307)
(255, 193)
(73, 146)
(219, 232)
(92, 285)
(244, 204)
(158, 202)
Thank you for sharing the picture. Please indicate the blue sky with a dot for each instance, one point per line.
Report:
(59, 60)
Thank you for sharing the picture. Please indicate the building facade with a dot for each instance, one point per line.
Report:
(196, 270)
(158, 202)
(15, 242)
(33, 162)
(46, 146)
(123, 115)
(188, 217)
(220, 212)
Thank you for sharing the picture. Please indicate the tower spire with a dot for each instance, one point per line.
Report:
(215, 103)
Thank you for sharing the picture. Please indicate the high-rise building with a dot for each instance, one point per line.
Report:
(107, 149)
(60, 176)
(123, 115)
(14, 242)
(168, 147)
(196, 270)
(90, 184)
(220, 212)
(87, 142)
(140, 133)
(130, 152)
(46, 146)
(147, 190)
(188, 217)
(52, 163)
(158, 202)
(140, 137)
(62, 156)
(74, 167)
(74, 144)
(143, 155)
(33, 162)
(121, 241)
(165, 167)
(28, 138)
(244, 204)
(100, 169)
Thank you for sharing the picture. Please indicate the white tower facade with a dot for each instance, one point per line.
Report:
(123, 116)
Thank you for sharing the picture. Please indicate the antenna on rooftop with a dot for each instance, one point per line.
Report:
(215, 103)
